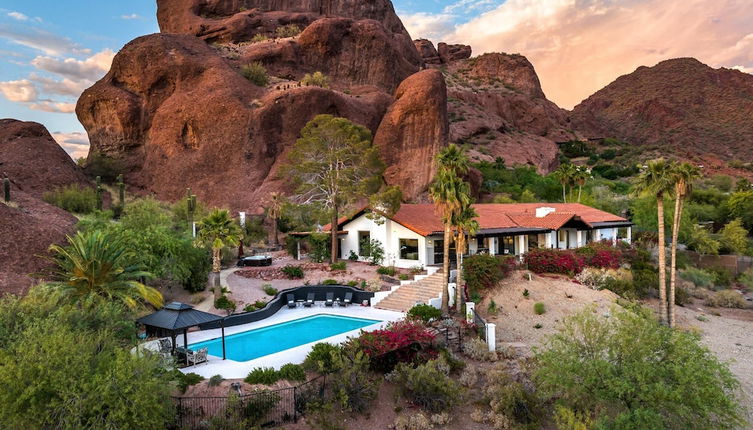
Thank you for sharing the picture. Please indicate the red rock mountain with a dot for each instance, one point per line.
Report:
(679, 106)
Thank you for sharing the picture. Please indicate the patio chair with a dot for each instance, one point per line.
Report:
(330, 299)
(347, 300)
(309, 300)
(165, 346)
(291, 300)
(195, 357)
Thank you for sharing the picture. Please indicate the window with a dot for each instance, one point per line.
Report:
(622, 233)
(364, 239)
(507, 245)
(562, 235)
(533, 241)
(409, 249)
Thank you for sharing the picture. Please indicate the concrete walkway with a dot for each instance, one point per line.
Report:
(208, 303)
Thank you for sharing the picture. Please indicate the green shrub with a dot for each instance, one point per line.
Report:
(539, 308)
(269, 290)
(353, 385)
(319, 250)
(321, 358)
(644, 280)
(387, 270)
(403, 276)
(330, 282)
(374, 250)
(263, 376)
(722, 276)
(290, 30)
(73, 198)
(427, 385)
(352, 256)
(185, 380)
(255, 73)
(223, 302)
(424, 312)
(215, 380)
(258, 404)
(107, 168)
(292, 372)
(746, 280)
(492, 308)
(509, 398)
(352, 283)
(260, 304)
(259, 38)
(318, 79)
(699, 277)
(682, 296)
(726, 299)
(293, 272)
(340, 265)
(477, 349)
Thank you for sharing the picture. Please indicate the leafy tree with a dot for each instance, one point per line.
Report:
(684, 175)
(700, 240)
(318, 79)
(740, 205)
(450, 194)
(334, 164)
(94, 267)
(216, 231)
(735, 237)
(631, 372)
(656, 180)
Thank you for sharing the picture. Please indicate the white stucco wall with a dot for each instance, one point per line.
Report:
(389, 234)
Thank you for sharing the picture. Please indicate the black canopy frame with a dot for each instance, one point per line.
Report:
(178, 317)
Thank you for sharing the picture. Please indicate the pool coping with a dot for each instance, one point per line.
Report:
(230, 369)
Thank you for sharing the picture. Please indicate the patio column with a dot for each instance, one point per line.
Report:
(578, 238)
(492, 245)
(629, 238)
(222, 325)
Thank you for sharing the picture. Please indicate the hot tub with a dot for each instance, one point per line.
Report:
(256, 260)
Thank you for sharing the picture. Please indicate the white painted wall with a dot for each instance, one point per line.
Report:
(389, 234)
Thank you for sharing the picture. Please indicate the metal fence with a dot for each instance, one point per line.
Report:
(480, 324)
(452, 337)
(261, 408)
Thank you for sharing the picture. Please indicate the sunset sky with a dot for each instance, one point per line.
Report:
(50, 51)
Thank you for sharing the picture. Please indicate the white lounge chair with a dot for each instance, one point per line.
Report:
(195, 357)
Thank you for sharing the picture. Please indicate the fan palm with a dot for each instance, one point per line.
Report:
(216, 231)
(453, 157)
(580, 176)
(465, 224)
(565, 174)
(274, 212)
(96, 266)
(684, 175)
(657, 179)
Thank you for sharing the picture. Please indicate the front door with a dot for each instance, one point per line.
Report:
(439, 253)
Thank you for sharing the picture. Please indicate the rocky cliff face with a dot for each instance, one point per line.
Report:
(679, 106)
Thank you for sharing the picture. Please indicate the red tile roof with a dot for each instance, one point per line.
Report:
(424, 220)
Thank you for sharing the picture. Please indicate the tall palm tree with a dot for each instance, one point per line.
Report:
(454, 158)
(657, 180)
(684, 175)
(218, 230)
(565, 174)
(465, 224)
(450, 194)
(97, 266)
(580, 176)
(275, 211)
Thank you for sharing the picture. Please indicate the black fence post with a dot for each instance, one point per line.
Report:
(295, 404)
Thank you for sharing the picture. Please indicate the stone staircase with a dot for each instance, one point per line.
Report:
(421, 291)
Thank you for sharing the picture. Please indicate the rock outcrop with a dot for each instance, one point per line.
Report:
(33, 161)
(679, 106)
(413, 131)
(443, 54)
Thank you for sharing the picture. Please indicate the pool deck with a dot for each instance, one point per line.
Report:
(230, 369)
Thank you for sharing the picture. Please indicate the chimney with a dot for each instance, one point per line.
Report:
(543, 211)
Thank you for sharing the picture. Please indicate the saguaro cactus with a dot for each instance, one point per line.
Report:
(99, 193)
(6, 189)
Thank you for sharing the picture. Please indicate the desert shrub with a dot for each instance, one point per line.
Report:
(403, 276)
(452, 362)
(386, 270)
(640, 390)
(352, 385)
(262, 376)
(624, 288)
(290, 30)
(682, 296)
(734, 237)
(372, 286)
(259, 38)
(269, 290)
(644, 280)
(726, 299)
(426, 385)
(492, 308)
(597, 278)
(477, 349)
(469, 377)
(352, 256)
(567, 419)
(508, 398)
(746, 280)
(321, 358)
(319, 250)
(256, 73)
(292, 372)
(539, 308)
(317, 79)
(259, 403)
(223, 302)
(340, 265)
(186, 380)
(542, 260)
(215, 380)
(73, 198)
(699, 277)
(330, 282)
(424, 312)
(352, 283)
(418, 421)
(293, 272)
(722, 276)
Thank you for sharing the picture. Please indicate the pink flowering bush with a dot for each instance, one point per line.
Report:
(554, 261)
(405, 341)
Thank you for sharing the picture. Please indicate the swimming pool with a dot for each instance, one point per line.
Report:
(256, 343)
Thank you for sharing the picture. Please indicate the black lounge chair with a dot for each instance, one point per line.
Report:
(309, 300)
(347, 300)
(291, 300)
(330, 300)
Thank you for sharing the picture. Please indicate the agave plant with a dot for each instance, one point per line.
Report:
(96, 266)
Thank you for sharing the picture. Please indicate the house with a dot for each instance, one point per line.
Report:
(414, 235)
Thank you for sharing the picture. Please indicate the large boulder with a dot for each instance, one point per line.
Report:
(450, 53)
(33, 161)
(413, 131)
(427, 51)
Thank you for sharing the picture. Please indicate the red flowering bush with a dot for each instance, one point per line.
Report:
(483, 271)
(405, 341)
(554, 261)
(603, 255)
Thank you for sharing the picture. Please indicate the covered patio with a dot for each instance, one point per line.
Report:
(178, 317)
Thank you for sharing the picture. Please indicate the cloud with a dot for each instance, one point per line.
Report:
(580, 46)
(18, 16)
(41, 40)
(65, 87)
(76, 144)
(91, 68)
(53, 106)
(428, 26)
(22, 91)
(130, 16)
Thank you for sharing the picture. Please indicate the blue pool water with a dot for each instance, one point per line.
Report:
(279, 337)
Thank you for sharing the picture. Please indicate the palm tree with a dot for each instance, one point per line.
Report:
(464, 222)
(218, 230)
(565, 174)
(453, 157)
(580, 177)
(274, 211)
(657, 179)
(96, 266)
(684, 175)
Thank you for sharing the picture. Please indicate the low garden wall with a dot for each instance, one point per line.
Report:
(735, 264)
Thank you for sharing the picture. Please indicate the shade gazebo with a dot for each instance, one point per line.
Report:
(178, 317)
